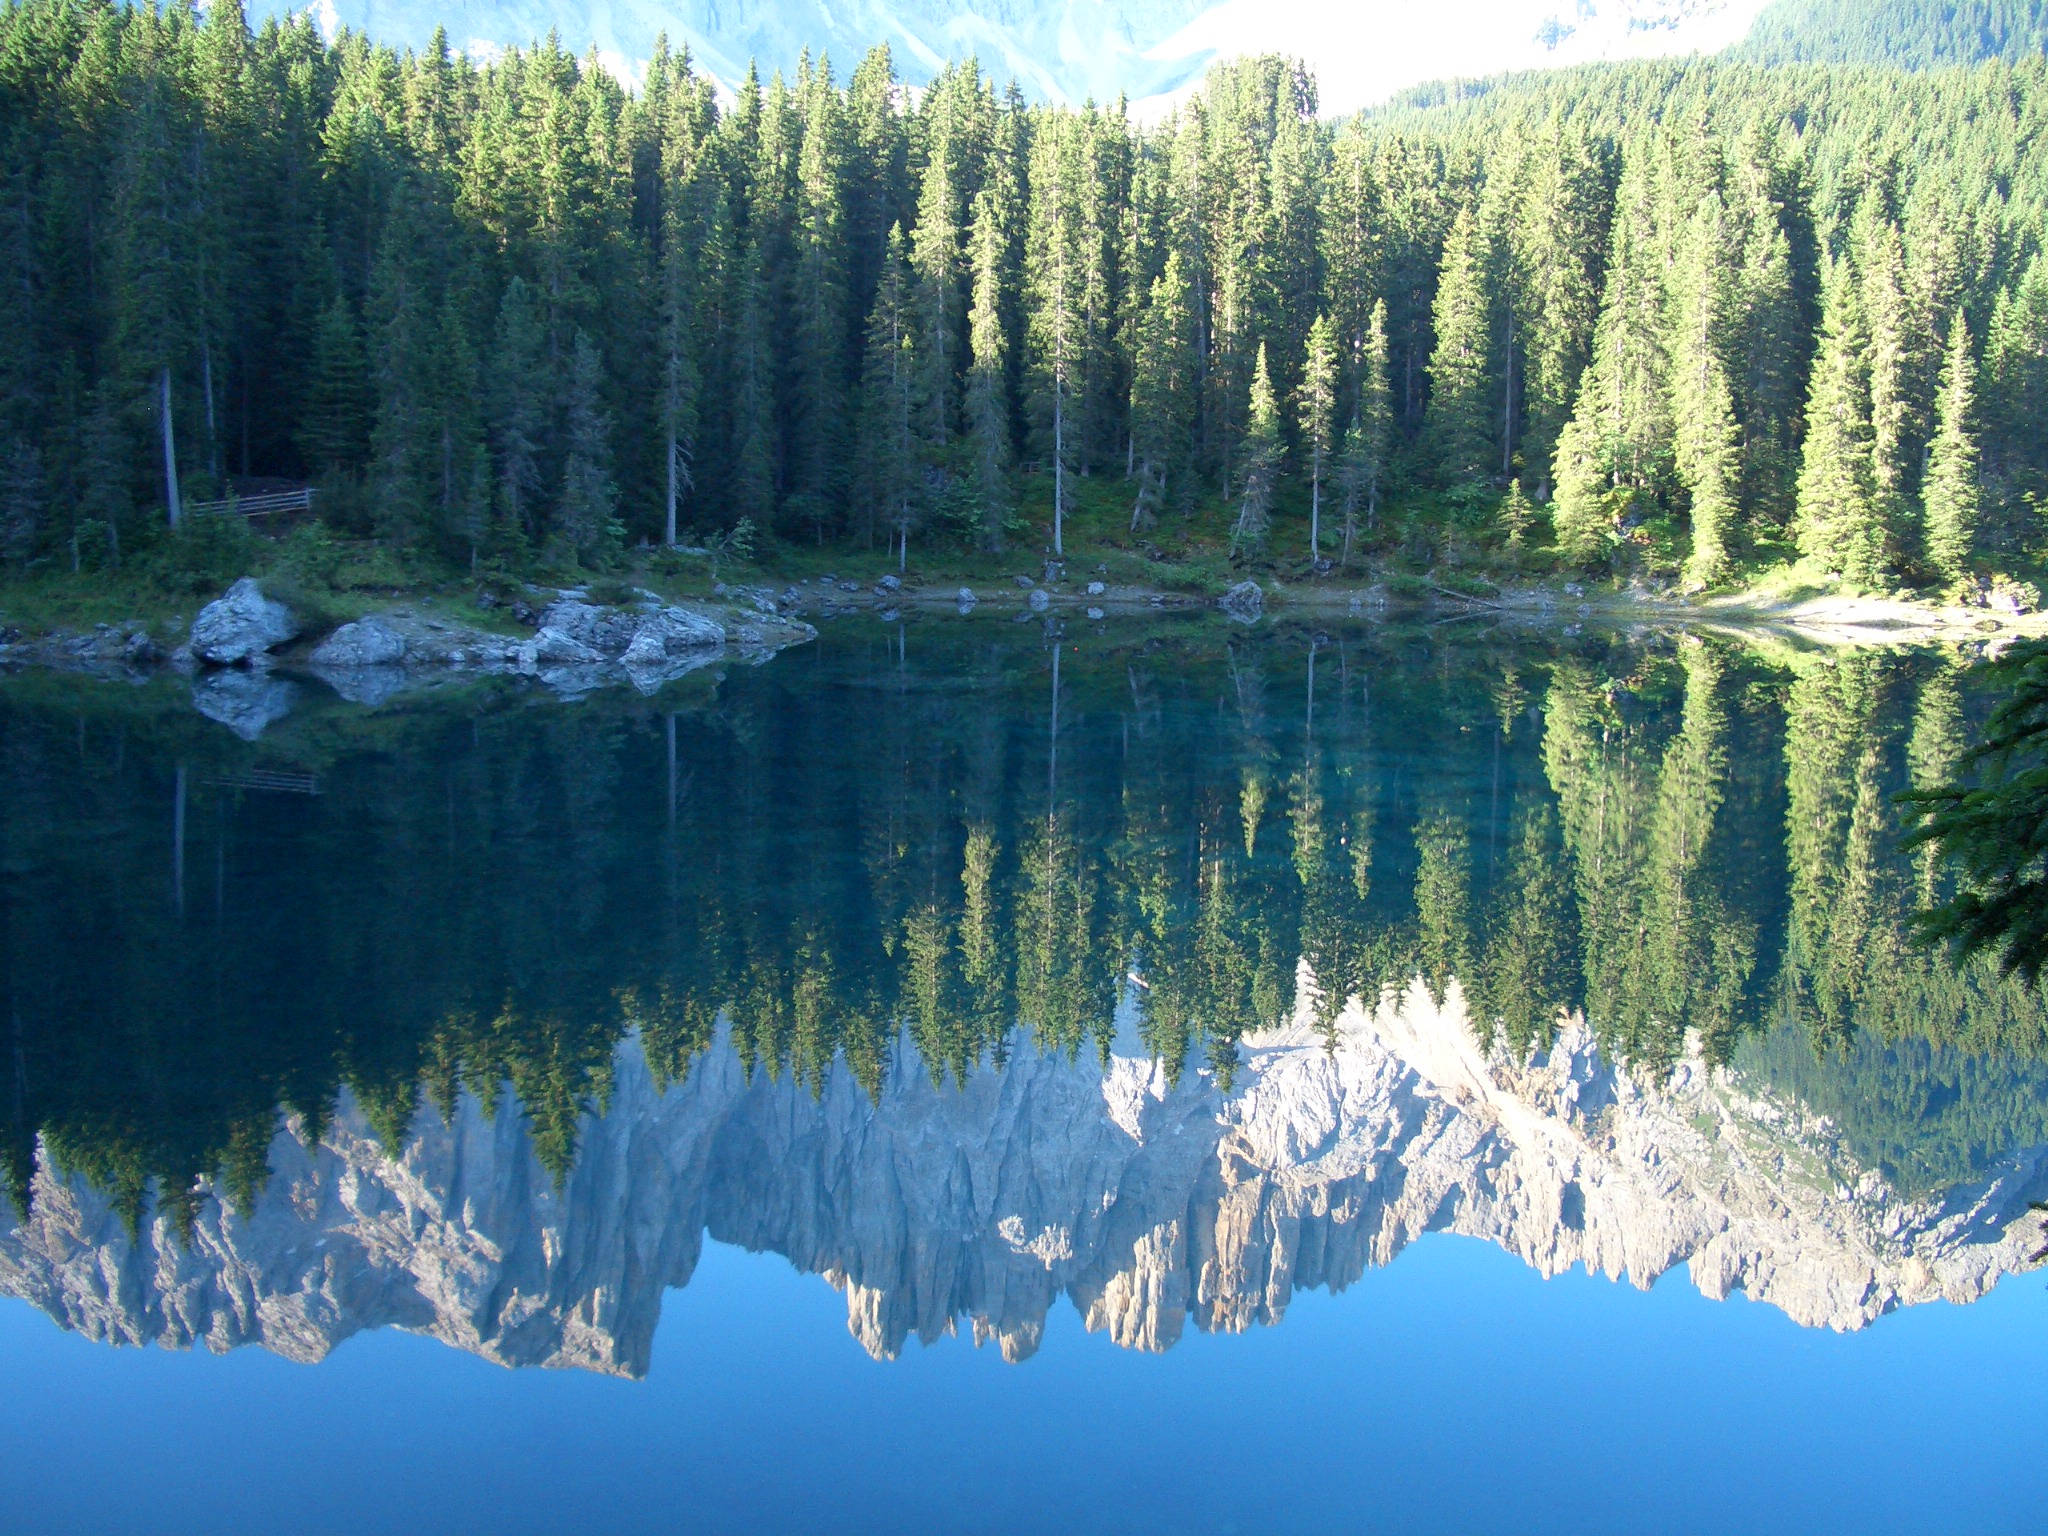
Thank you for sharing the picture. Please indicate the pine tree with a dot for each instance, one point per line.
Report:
(891, 460)
(586, 516)
(1057, 279)
(401, 327)
(21, 501)
(1258, 465)
(1163, 394)
(1706, 441)
(1880, 263)
(1459, 423)
(1516, 514)
(1318, 396)
(2016, 373)
(1951, 496)
(821, 362)
(1615, 448)
(516, 409)
(1838, 519)
(988, 404)
(751, 364)
(1362, 458)
(333, 420)
(935, 258)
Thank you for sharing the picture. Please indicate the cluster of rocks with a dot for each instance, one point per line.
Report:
(241, 645)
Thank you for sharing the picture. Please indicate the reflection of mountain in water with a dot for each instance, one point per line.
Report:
(1150, 1205)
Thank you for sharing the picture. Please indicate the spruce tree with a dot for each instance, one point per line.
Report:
(1459, 423)
(333, 419)
(890, 457)
(1258, 465)
(1838, 519)
(1057, 278)
(1706, 441)
(21, 501)
(1951, 495)
(1318, 401)
(988, 401)
(586, 518)
(1619, 437)
(517, 410)
(1893, 446)
(1163, 397)
(935, 258)
(2016, 375)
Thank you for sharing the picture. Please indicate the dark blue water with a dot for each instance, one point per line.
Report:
(1256, 1039)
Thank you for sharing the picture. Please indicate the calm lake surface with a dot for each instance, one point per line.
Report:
(989, 1076)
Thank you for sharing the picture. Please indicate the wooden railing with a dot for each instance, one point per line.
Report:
(257, 506)
(281, 781)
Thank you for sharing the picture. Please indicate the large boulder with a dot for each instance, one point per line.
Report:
(1244, 602)
(242, 624)
(365, 643)
(607, 631)
(554, 647)
(671, 632)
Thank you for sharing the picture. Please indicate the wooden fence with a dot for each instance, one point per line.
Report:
(257, 506)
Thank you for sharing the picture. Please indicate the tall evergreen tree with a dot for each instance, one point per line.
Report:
(1163, 397)
(891, 456)
(1619, 437)
(586, 515)
(1318, 400)
(1057, 277)
(1706, 439)
(517, 409)
(1839, 519)
(333, 423)
(1459, 424)
(1951, 495)
(988, 403)
(1362, 457)
(1258, 465)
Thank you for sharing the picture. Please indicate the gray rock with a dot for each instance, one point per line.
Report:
(247, 703)
(366, 643)
(1094, 613)
(1039, 599)
(1244, 602)
(890, 583)
(241, 624)
(557, 648)
(1022, 581)
(967, 598)
(670, 632)
(1096, 589)
(607, 631)
(141, 651)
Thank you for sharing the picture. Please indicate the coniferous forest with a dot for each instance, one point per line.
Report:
(1684, 319)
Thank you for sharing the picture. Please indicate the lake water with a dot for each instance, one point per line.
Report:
(990, 1076)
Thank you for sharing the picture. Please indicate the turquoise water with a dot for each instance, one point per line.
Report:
(961, 1076)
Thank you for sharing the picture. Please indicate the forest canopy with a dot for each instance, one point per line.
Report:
(1708, 312)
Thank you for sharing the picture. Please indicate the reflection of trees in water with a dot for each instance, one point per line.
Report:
(948, 847)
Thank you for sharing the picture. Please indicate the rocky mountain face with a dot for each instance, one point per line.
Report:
(1149, 51)
(1151, 1205)
(1060, 49)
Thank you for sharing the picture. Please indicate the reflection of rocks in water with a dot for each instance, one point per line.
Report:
(1149, 1206)
(247, 703)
